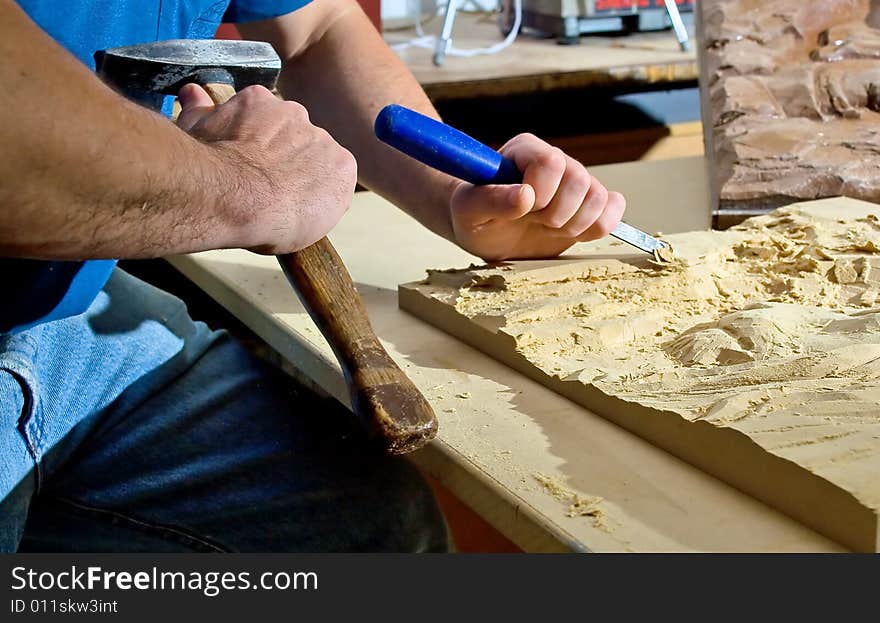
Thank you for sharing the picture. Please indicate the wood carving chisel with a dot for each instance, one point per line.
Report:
(446, 149)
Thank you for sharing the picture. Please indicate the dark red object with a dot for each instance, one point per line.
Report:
(227, 31)
(373, 9)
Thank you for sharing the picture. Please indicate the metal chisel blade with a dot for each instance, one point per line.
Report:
(637, 238)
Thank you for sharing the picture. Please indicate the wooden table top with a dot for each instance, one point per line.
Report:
(511, 449)
(534, 65)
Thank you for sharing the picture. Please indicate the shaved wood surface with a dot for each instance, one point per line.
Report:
(756, 359)
(500, 431)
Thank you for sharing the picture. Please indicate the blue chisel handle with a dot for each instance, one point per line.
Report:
(444, 148)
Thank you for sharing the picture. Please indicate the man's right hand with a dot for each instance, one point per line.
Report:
(286, 180)
(96, 176)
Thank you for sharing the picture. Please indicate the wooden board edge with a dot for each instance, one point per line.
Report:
(820, 504)
(512, 516)
(618, 76)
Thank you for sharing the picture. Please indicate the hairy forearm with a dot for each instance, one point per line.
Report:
(86, 174)
(335, 52)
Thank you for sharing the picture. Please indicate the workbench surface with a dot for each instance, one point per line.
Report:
(533, 64)
(511, 449)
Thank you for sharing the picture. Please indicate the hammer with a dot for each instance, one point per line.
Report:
(387, 403)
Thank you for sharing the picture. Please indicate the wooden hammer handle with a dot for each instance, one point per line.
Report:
(219, 91)
(382, 396)
(386, 401)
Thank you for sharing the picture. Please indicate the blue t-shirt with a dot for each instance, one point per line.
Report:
(39, 291)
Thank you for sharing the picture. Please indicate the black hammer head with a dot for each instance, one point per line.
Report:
(165, 66)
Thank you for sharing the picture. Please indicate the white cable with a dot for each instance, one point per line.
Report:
(428, 42)
(421, 40)
(494, 49)
(419, 31)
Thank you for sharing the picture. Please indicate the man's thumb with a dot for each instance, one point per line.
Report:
(480, 204)
(195, 103)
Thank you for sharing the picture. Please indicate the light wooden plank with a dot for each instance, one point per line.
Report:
(499, 431)
(755, 356)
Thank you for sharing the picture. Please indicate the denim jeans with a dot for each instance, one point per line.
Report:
(133, 428)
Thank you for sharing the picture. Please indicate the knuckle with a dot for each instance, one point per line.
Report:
(296, 109)
(552, 159)
(252, 92)
(314, 138)
(556, 219)
(523, 140)
(581, 178)
(322, 136)
(347, 163)
(599, 196)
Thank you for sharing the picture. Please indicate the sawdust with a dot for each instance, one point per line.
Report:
(771, 327)
(787, 299)
(578, 505)
(665, 255)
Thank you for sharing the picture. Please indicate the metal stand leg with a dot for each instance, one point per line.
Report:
(444, 41)
(681, 32)
(571, 31)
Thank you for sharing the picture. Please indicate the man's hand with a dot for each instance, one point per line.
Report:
(289, 182)
(338, 66)
(558, 204)
(96, 176)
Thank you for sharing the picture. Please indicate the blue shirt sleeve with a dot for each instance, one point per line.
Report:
(253, 10)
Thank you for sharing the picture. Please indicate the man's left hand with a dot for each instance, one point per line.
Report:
(558, 204)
